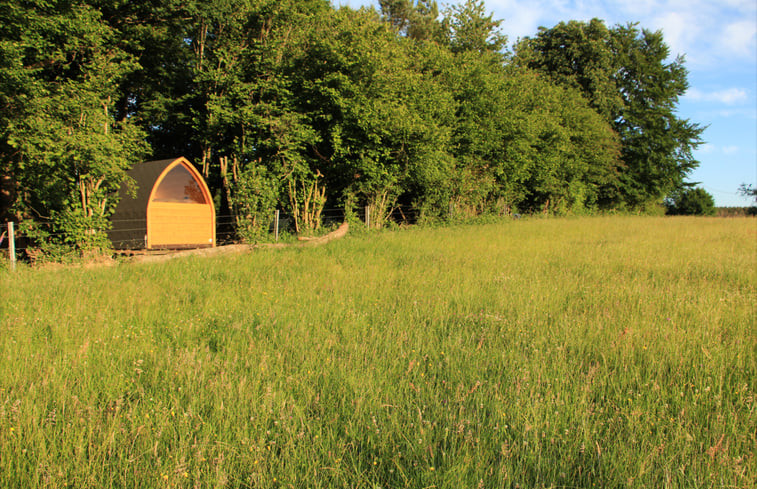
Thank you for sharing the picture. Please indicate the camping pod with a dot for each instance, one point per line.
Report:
(172, 208)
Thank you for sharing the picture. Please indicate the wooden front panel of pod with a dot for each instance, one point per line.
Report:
(172, 225)
(180, 212)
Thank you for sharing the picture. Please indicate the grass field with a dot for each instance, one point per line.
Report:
(592, 352)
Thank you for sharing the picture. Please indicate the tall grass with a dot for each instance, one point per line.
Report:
(596, 352)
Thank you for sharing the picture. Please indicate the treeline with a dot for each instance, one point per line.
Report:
(297, 104)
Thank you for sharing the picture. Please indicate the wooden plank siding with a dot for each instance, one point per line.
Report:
(179, 225)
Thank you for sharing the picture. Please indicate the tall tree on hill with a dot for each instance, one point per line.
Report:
(625, 74)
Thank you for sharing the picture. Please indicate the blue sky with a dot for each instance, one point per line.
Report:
(718, 39)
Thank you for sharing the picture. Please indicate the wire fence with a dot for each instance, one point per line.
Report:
(18, 242)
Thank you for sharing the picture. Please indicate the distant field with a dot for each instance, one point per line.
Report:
(592, 352)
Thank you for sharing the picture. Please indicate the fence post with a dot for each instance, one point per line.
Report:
(276, 225)
(368, 217)
(11, 246)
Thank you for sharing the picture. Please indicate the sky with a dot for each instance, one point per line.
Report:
(719, 41)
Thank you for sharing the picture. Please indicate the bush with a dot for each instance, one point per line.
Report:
(690, 202)
(255, 199)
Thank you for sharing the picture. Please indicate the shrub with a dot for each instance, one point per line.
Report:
(690, 202)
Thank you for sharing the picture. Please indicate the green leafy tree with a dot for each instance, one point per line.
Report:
(470, 29)
(473, 72)
(568, 152)
(689, 201)
(416, 19)
(172, 43)
(379, 117)
(522, 142)
(576, 55)
(485, 172)
(61, 143)
(625, 74)
(657, 145)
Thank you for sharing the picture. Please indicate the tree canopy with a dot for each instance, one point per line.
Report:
(627, 77)
(300, 105)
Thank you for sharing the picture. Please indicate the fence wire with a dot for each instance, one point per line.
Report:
(226, 227)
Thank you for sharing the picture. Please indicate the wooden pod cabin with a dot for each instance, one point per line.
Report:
(173, 209)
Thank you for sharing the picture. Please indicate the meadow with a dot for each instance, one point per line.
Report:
(564, 353)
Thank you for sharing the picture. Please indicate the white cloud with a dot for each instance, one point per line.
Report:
(678, 30)
(637, 8)
(708, 148)
(518, 20)
(739, 38)
(729, 97)
(740, 4)
(746, 114)
(704, 30)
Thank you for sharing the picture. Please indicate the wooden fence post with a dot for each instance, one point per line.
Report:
(368, 217)
(12, 246)
(276, 225)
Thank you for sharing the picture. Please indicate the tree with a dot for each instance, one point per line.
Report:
(657, 145)
(255, 138)
(748, 191)
(61, 143)
(416, 19)
(522, 142)
(470, 29)
(574, 152)
(379, 117)
(688, 201)
(214, 87)
(576, 55)
(625, 75)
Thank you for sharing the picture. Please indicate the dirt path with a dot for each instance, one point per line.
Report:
(338, 233)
